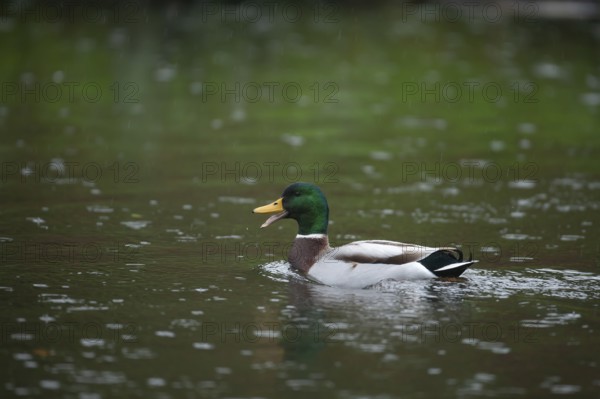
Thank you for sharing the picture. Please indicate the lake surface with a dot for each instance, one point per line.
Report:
(136, 141)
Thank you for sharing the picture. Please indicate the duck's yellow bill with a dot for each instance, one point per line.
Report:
(276, 206)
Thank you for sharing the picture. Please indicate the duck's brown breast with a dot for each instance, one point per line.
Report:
(306, 250)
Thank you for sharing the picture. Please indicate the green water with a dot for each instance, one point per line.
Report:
(134, 147)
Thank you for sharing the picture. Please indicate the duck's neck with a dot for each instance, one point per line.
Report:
(306, 250)
(314, 221)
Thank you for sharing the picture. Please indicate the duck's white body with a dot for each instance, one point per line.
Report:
(364, 263)
(343, 274)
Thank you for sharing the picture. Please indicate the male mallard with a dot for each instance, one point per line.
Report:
(358, 264)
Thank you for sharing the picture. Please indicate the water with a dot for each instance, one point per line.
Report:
(131, 264)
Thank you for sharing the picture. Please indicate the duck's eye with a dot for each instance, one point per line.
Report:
(297, 193)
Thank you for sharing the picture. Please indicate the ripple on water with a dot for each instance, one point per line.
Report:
(156, 382)
(136, 224)
(518, 236)
(520, 259)
(99, 209)
(99, 377)
(237, 200)
(40, 285)
(165, 334)
(552, 383)
(565, 389)
(299, 384)
(138, 353)
(187, 239)
(479, 384)
(58, 299)
(92, 342)
(522, 184)
(571, 284)
(492, 346)
(280, 271)
(37, 220)
(86, 308)
(551, 319)
(571, 237)
(203, 346)
(186, 323)
(50, 384)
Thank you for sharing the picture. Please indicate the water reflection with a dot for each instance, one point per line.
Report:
(395, 320)
(400, 313)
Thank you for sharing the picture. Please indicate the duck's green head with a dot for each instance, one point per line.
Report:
(302, 202)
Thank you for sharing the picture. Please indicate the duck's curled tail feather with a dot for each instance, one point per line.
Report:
(447, 262)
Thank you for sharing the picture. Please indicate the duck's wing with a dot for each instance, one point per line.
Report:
(442, 262)
(389, 252)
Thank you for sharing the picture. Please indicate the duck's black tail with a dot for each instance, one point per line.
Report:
(447, 262)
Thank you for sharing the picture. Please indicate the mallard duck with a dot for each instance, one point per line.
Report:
(358, 264)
